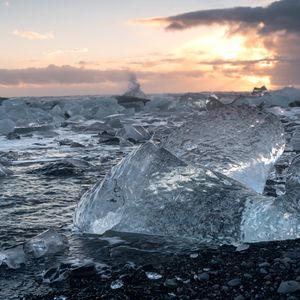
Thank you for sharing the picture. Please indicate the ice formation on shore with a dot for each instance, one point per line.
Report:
(153, 192)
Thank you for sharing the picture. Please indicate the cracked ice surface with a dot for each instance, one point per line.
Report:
(241, 142)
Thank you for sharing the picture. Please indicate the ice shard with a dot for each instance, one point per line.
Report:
(240, 142)
(4, 171)
(291, 199)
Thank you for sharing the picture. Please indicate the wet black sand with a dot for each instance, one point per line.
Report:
(263, 271)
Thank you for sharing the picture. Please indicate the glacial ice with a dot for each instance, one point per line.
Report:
(6, 126)
(4, 171)
(153, 192)
(286, 97)
(48, 243)
(135, 133)
(292, 186)
(240, 142)
(13, 257)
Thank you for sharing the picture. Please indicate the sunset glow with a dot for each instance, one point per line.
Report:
(177, 54)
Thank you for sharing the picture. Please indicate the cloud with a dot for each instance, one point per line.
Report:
(71, 75)
(281, 15)
(68, 51)
(32, 35)
(59, 75)
(275, 26)
(6, 3)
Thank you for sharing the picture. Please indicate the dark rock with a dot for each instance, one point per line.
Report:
(234, 282)
(13, 136)
(170, 283)
(203, 276)
(65, 167)
(86, 270)
(132, 102)
(108, 139)
(288, 287)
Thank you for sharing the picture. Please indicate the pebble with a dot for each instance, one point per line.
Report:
(287, 287)
(170, 283)
(234, 282)
(203, 276)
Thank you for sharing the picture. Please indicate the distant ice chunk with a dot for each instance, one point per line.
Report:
(48, 243)
(241, 142)
(286, 97)
(134, 133)
(260, 91)
(6, 126)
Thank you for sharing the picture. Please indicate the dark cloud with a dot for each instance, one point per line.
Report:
(279, 15)
(68, 75)
(60, 75)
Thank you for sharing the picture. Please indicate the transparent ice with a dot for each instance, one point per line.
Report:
(48, 243)
(13, 257)
(241, 142)
(153, 192)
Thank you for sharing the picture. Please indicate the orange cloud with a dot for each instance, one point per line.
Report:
(68, 51)
(32, 35)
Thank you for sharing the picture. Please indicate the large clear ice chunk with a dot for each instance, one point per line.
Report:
(153, 192)
(241, 142)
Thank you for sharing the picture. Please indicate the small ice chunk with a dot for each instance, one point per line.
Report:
(48, 243)
(117, 284)
(153, 275)
(13, 257)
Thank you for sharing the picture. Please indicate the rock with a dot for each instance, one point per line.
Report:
(203, 276)
(171, 283)
(259, 91)
(288, 287)
(234, 282)
(85, 270)
(64, 167)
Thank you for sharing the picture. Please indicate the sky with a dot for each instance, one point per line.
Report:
(72, 47)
